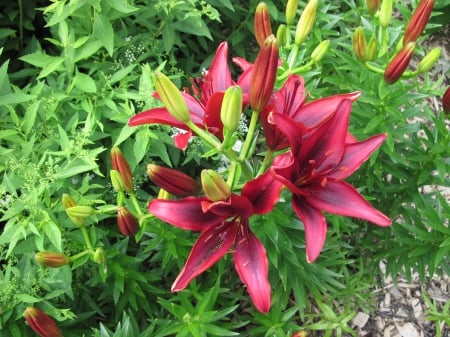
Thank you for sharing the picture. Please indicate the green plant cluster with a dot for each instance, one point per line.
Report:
(72, 73)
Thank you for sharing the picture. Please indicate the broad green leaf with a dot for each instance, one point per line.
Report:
(121, 73)
(75, 167)
(122, 6)
(104, 32)
(124, 134)
(192, 25)
(14, 98)
(30, 117)
(53, 232)
(85, 83)
(28, 298)
(38, 59)
(87, 49)
(4, 80)
(51, 67)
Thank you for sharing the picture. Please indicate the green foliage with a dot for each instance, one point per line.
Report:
(72, 73)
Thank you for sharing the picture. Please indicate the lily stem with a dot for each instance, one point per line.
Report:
(249, 139)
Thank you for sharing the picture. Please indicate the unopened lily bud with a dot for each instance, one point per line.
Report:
(128, 224)
(99, 256)
(398, 65)
(231, 109)
(264, 74)
(262, 23)
(80, 211)
(215, 188)
(418, 21)
(171, 97)
(41, 323)
(51, 259)
(306, 22)
(67, 201)
(173, 181)
(385, 13)
(320, 51)
(117, 181)
(446, 101)
(372, 49)
(120, 164)
(291, 11)
(360, 44)
(372, 6)
(282, 35)
(429, 60)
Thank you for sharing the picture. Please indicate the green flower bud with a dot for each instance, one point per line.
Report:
(80, 211)
(215, 188)
(429, 60)
(320, 51)
(372, 6)
(306, 22)
(51, 259)
(372, 49)
(291, 12)
(385, 13)
(67, 201)
(117, 181)
(282, 35)
(171, 97)
(99, 256)
(360, 44)
(231, 108)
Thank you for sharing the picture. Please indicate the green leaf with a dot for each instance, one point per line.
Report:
(28, 298)
(121, 74)
(75, 167)
(122, 6)
(17, 97)
(87, 50)
(30, 117)
(85, 83)
(104, 32)
(50, 67)
(53, 233)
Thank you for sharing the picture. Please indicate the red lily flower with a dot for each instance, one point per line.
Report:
(314, 171)
(204, 104)
(290, 100)
(224, 224)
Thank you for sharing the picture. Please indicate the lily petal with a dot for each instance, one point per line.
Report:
(185, 213)
(181, 140)
(155, 116)
(325, 145)
(313, 113)
(293, 131)
(251, 264)
(263, 192)
(283, 169)
(219, 74)
(208, 249)
(355, 154)
(341, 198)
(315, 227)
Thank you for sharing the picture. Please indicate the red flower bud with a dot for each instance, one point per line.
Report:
(264, 74)
(41, 323)
(398, 65)
(373, 5)
(446, 100)
(418, 21)
(51, 259)
(120, 164)
(127, 222)
(173, 181)
(262, 23)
